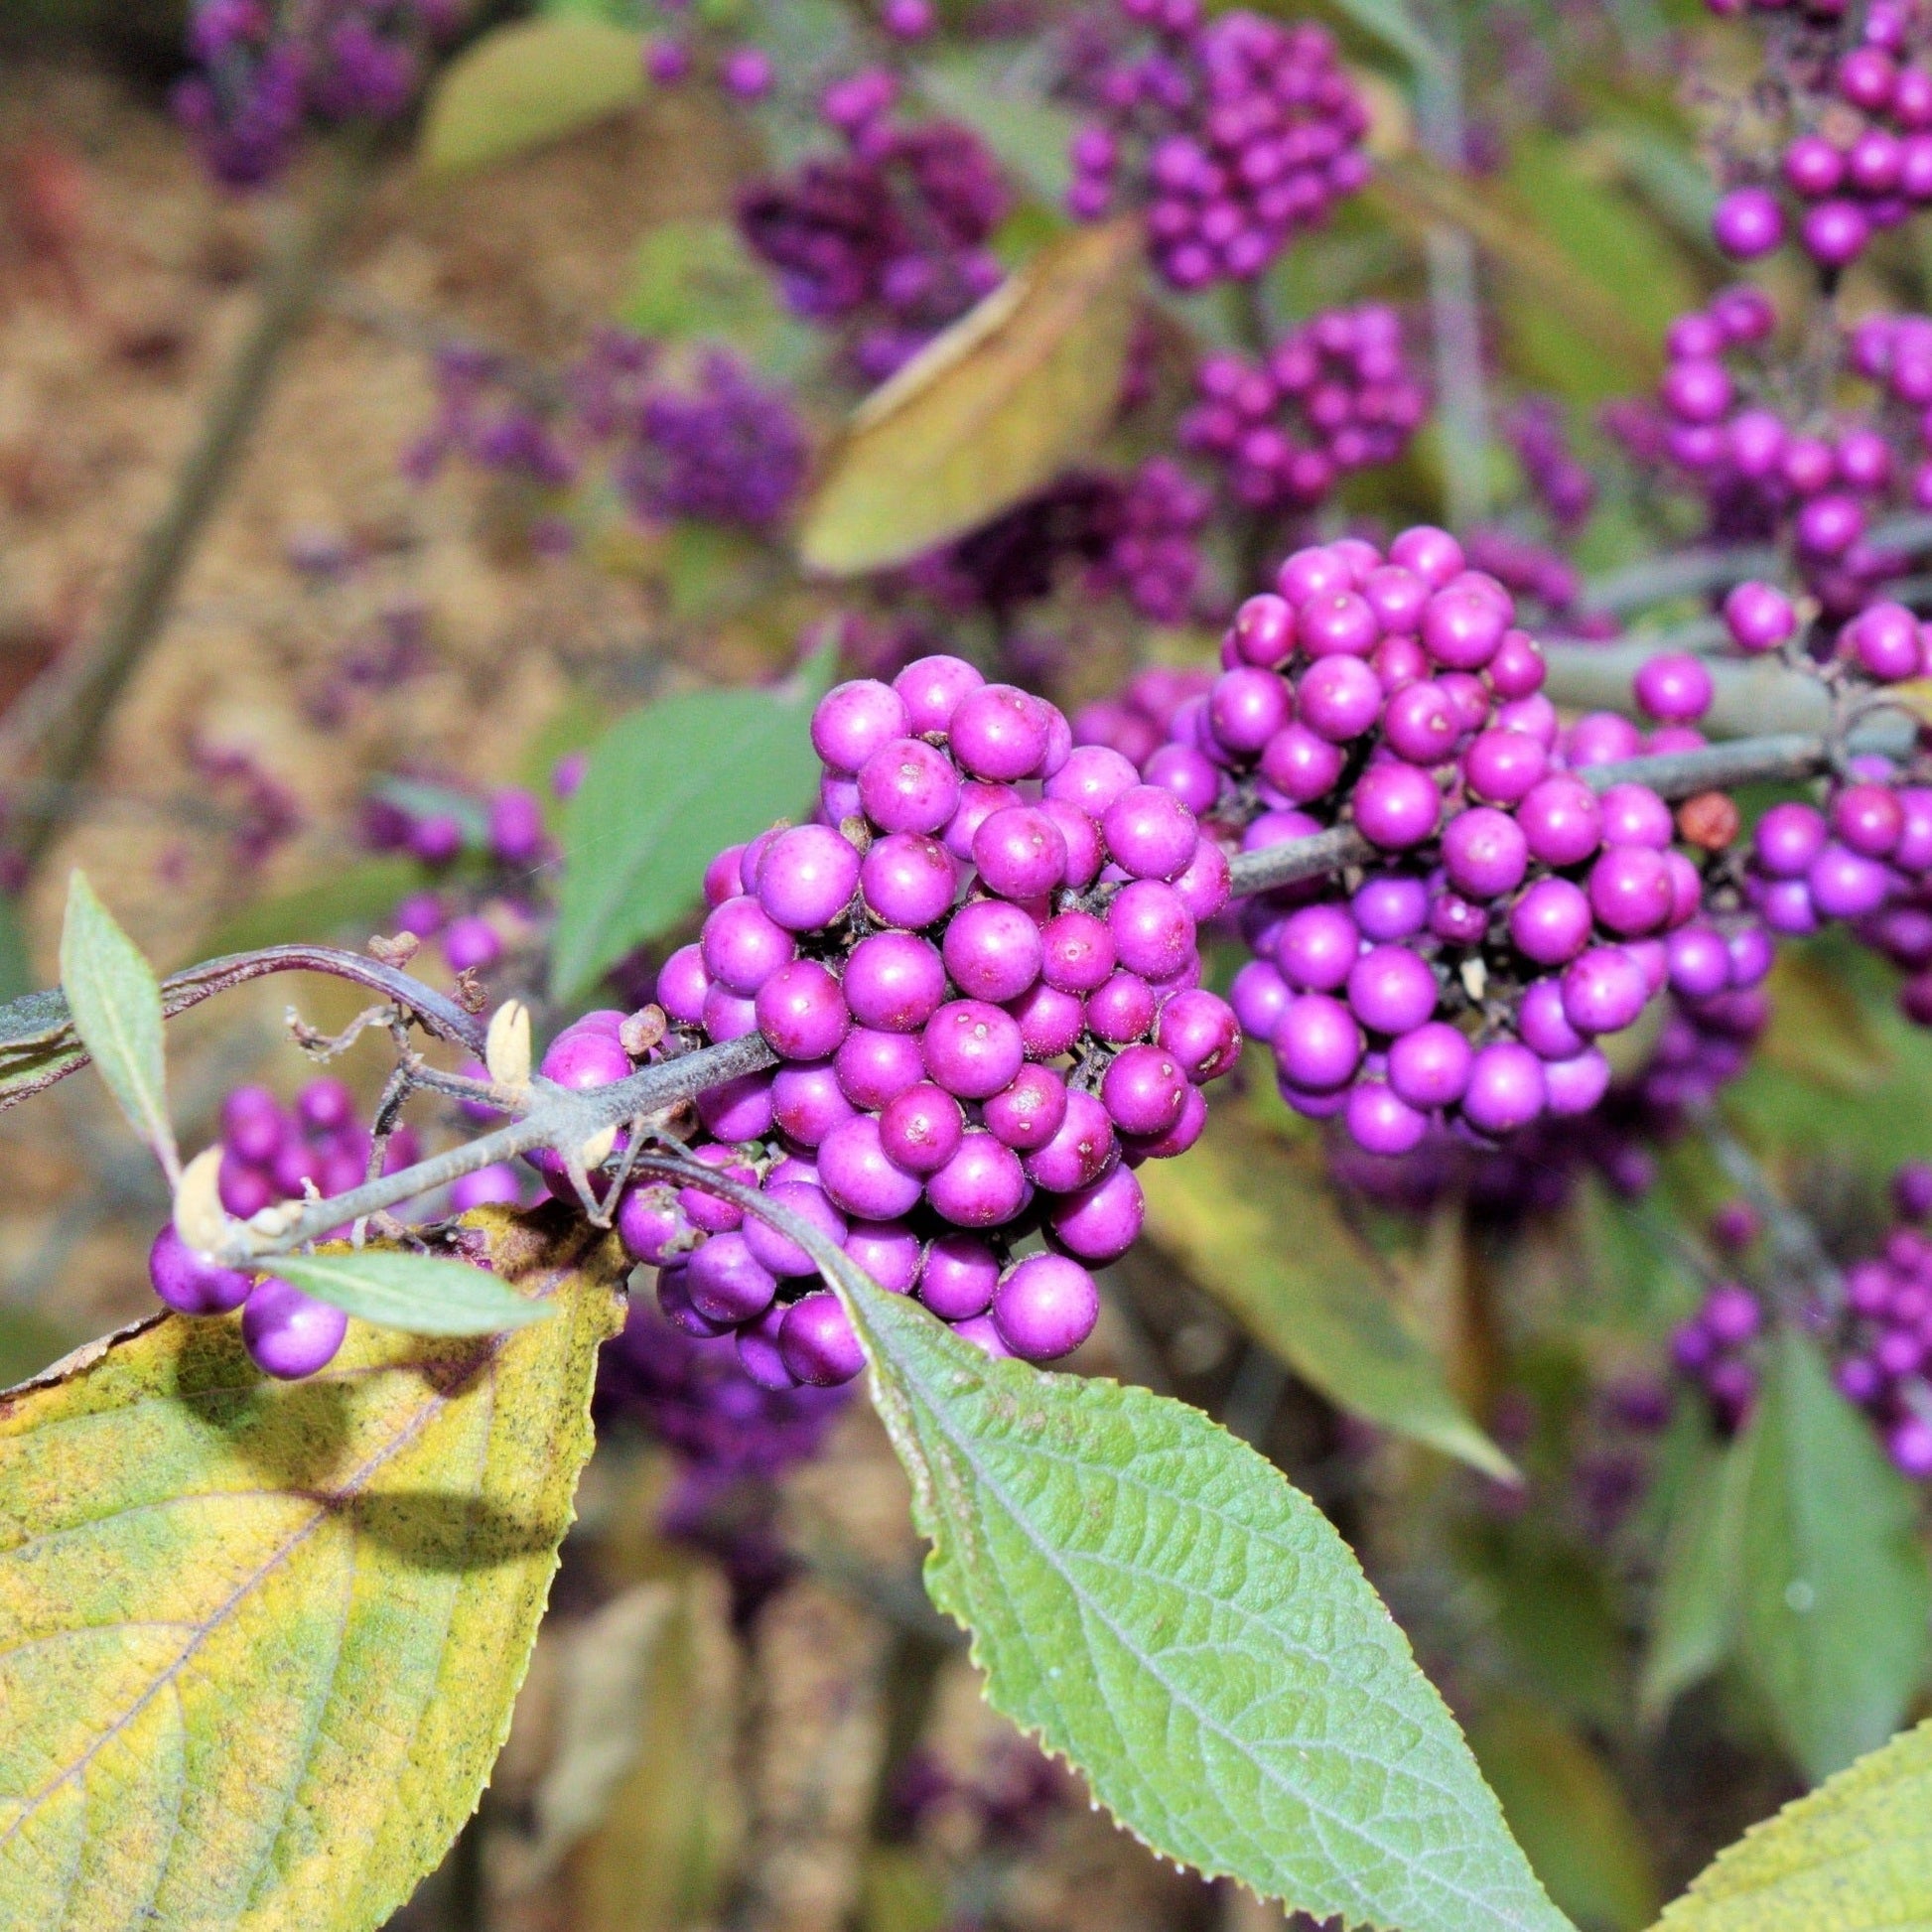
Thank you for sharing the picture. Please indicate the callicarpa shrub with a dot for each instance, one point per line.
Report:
(1247, 830)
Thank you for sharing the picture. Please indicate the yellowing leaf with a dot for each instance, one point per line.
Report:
(1257, 1227)
(258, 1642)
(1855, 1855)
(985, 414)
(526, 83)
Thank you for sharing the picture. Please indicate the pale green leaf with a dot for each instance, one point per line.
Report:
(527, 82)
(664, 789)
(1568, 1814)
(1157, 1603)
(419, 1295)
(115, 1001)
(1854, 1856)
(1694, 1622)
(987, 413)
(696, 281)
(1256, 1226)
(258, 1642)
(1834, 1587)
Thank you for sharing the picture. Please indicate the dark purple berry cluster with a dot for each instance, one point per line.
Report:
(1235, 133)
(703, 440)
(979, 969)
(888, 239)
(1726, 425)
(1851, 90)
(1510, 916)
(1137, 534)
(1887, 1329)
(262, 71)
(1335, 395)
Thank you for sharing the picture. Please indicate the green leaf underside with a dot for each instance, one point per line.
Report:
(1154, 1600)
(1303, 1285)
(258, 1642)
(665, 788)
(1569, 1813)
(1834, 1593)
(1695, 1617)
(116, 1006)
(525, 83)
(417, 1294)
(1854, 1856)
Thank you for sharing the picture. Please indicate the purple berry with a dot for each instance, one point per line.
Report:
(288, 1335)
(1045, 1307)
(189, 1283)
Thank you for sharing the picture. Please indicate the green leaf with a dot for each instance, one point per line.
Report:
(1556, 1620)
(1607, 241)
(1153, 1600)
(1694, 1622)
(1834, 1587)
(664, 789)
(358, 897)
(1854, 1856)
(16, 968)
(696, 281)
(1568, 1814)
(987, 413)
(524, 84)
(1393, 24)
(115, 1001)
(418, 1294)
(1255, 1225)
(258, 1642)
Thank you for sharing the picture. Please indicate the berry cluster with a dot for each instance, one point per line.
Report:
(1333, 396)
(479, 855)
(705, 441)
(1864, 856)
(887, 240)
(1510, 916)
(1150, 542)
(1237, 133)
(1880, 1335)
(1887, 1329)
(1559, 482)
(1855, 103)
(692, 1394)
(268, 1154)
(1137, 723)
(1137, 534)
(262, 71)
(1714, 1350)
(979, 970)
(1818, 480)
